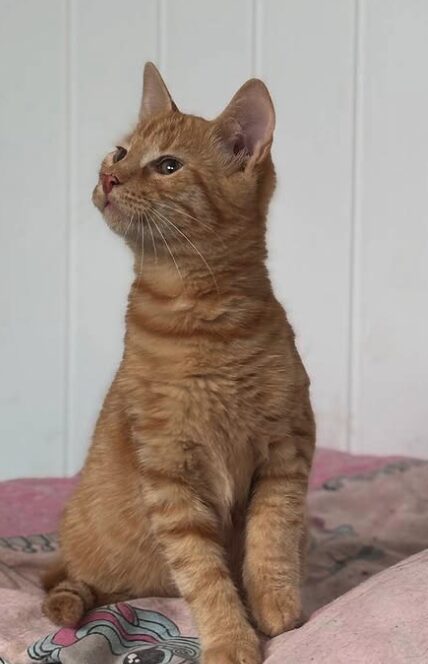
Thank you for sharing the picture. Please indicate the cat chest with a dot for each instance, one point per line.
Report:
(223, 425)
(207, 417)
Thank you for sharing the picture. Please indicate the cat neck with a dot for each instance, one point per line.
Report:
(173, 273)
(222, 300)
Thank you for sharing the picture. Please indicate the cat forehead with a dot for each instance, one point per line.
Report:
(170, 131)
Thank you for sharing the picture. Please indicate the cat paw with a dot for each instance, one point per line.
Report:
(67, 602)
(63, 608)
(234, 651)
(276, 611)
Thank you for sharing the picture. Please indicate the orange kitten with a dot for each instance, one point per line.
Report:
(196, 479)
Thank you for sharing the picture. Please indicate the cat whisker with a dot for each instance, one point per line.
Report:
(168, 247)
(155, 251)
(175, 208)
(178, 210)
(194, 247)
(129, 226)
(142, 248)
(162, 219)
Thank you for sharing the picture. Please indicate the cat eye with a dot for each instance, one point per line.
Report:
(119, 154)
(167, 165)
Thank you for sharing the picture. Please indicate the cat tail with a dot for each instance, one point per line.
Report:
(67, 599)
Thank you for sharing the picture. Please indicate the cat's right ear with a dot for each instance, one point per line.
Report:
(156, 98)
(247, 124)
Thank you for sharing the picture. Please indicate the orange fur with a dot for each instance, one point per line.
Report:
(196, 478)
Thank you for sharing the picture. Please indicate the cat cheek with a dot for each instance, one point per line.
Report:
(98, 197)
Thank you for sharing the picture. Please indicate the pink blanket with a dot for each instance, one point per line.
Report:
(366, 515)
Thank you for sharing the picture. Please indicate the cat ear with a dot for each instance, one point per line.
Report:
(247, 123)
(156, 98)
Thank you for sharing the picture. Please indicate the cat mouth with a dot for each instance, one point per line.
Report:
(107, 202)
(109, 208)
(113, 206)
(103, 202)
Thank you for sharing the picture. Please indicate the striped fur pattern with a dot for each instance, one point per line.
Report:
(196, 478)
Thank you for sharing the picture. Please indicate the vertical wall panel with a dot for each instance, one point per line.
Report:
(32, 237)
(348, 228)
(306, 57)
(206, 52)
(391, 359)
(110, 43)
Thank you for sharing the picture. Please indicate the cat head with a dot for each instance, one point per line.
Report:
(179, 175)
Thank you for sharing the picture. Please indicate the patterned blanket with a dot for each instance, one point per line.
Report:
(366, 515)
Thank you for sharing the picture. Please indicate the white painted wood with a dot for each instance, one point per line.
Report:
(348, 229)
(206, 52)
(391, 323)
(32, 237)
(306, 54)
(110, 43)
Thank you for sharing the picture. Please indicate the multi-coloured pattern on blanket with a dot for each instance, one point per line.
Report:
(356, 530)
(22, 559)
(356, 527)
(389, 469)
(31, 544)
(125, 634)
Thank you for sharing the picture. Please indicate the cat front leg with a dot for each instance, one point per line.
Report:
(188, 531)
(276, 532)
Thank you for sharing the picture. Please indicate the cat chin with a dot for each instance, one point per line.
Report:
(115, 220)
(111, 216)
(99, 198)
(108, 209)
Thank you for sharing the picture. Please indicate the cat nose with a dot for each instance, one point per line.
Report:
(108, 182)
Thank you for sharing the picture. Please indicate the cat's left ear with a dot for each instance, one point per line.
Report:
(156, 97)
(247, 123)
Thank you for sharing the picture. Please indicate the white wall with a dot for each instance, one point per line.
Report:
(348, 228)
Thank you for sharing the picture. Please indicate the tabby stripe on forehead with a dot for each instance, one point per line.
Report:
(157, 134)
(151, 129)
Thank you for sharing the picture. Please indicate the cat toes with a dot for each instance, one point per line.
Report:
(67, 602)
(235, 651)
(277, 611)
(63, 608)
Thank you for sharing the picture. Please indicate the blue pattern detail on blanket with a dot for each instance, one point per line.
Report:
(143, 637)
